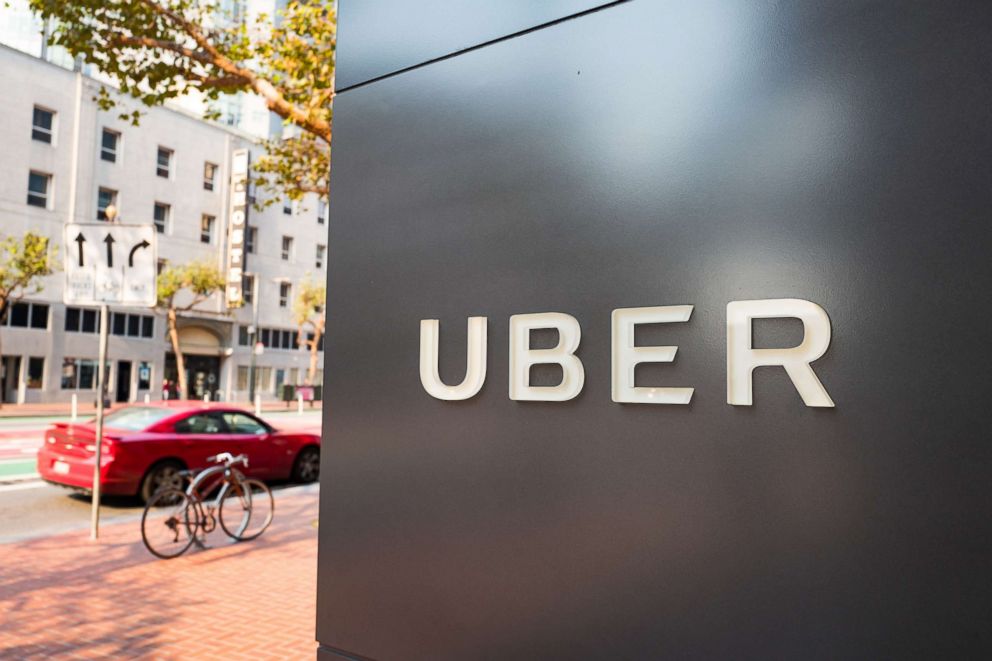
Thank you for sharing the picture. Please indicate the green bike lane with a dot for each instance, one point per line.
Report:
(15, 468)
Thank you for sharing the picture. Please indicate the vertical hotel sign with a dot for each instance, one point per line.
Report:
(236, 228)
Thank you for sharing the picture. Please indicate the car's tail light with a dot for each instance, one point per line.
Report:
(106, 448)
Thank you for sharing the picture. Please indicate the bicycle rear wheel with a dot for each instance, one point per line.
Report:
(169, 523)
(246, 510)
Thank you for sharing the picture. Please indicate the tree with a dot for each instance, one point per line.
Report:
(201, 280)
(159, 50)
(310, 315)
(23, 262)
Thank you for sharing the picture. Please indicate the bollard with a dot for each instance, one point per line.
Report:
(148, 398)
(299, 403)
(258, 404)
(75, 410)
(206, 397)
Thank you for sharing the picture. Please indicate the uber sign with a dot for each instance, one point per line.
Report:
(107, 263)
(742, 357)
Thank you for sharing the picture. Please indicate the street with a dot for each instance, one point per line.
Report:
(31, 508)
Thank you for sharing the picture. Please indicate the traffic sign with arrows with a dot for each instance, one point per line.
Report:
(96, 271)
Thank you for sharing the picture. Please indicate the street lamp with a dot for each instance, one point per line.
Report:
(110, 212)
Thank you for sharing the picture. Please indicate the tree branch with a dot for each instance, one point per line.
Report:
(173, 46)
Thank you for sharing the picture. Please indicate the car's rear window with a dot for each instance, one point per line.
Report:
(136, 418)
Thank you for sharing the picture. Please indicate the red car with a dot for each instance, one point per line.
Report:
(145, 447)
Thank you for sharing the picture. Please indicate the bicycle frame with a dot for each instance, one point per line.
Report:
(222, 478)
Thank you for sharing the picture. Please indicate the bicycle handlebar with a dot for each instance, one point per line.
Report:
(229, 459)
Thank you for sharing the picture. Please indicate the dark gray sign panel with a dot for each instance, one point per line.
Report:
(667, 154)
(384, 36)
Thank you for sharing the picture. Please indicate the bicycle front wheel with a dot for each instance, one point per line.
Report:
(246, 509)
(168, 524)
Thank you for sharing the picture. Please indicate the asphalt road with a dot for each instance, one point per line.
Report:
(32, 508)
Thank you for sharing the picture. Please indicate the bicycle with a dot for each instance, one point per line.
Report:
(174, 519)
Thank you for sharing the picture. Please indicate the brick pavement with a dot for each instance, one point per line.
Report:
(65, 597)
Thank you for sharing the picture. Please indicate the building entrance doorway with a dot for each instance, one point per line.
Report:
(202, 376)
(10, 371)
(123, 381)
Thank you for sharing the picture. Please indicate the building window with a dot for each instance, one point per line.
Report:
(209, 176)
(104, 198)
(91, 322)
(207, 229)
(321, 211)
(43, 125)
(251, 235)
(39, 185)
(263, 376)
(163, 162)
(161, 217)
(321, 253)
(18, 315)
(81, 320)
(244, 338)
(144, 375)
(284, 289)
(109, 141)
(132, 325)
(78, 374)
(287, 247)
(72, 318)
(287, 206)
(28, 315)
(242, 378)
(161, 265)
(36, 372)
(248, 288)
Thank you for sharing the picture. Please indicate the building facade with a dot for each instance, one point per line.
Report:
(65, 160)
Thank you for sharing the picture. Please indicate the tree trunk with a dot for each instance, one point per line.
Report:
(180, 362)
(312, 370)
(318, 330)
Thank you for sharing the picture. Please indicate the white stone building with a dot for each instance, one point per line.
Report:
(62, 159)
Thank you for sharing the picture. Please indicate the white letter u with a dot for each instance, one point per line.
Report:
(475, 368)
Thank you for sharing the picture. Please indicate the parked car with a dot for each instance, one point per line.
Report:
(146, 446)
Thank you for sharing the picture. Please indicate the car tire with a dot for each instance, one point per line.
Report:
(306, 468)
(162, 475)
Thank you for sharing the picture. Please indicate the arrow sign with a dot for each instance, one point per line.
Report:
(94, 275)
(140, 246)
(109, 240)
(80, 240)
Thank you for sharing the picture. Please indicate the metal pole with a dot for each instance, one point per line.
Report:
(253, 337)
(101, 377)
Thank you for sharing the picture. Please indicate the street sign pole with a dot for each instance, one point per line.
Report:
(101, 377)
(108, 263)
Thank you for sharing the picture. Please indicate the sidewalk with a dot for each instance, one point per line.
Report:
(88, 408)
(68, 598)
